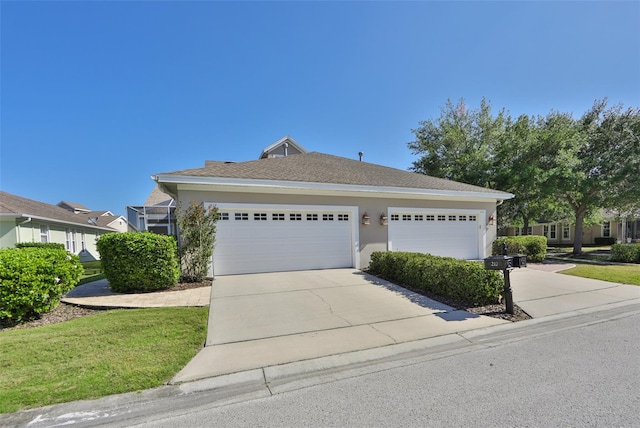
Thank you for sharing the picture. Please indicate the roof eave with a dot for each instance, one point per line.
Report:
(53, 220)
(277, 186)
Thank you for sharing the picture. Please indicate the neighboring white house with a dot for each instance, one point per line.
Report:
(295, 210)
(26, 220)
(98, 218)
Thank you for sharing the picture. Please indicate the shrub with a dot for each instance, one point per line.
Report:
(197, 226)
(139, 261)
(32, 280)
(457, 279)
(626, 253)
(40, 245)
(604, 240)
(533, 246)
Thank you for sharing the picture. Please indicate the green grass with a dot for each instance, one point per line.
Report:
(613, 273)
(93, 356)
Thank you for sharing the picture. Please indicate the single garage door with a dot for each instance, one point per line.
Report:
(268, 239)
(450, 234)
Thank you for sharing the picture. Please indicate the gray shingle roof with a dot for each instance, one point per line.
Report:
(157, 197)
(317, 167)
(13, 204)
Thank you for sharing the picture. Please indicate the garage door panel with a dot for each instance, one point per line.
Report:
(443, 234)
(280, 240)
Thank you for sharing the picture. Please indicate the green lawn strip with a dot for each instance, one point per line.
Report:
(612, 273)
(108, 353)
(90, 278)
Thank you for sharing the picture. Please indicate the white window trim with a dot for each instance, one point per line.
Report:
(46, 233)
(553, 230)
(608, 235)
(568, 229)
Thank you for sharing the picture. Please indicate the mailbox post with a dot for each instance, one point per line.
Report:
(505, 263)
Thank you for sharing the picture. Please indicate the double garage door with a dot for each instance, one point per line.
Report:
(272, 239)
(442, 233)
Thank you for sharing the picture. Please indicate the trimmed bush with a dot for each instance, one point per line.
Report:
(533, 246)
(457, 279)
(604, 240)
(139, 261)
(626, 253)
(32, 280)
(40, 245)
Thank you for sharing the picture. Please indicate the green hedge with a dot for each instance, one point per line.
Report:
(533, 246)
(32, 280)
(457, 279)
(604, 240)
(40, 245)
(626, 253)
(139, 261)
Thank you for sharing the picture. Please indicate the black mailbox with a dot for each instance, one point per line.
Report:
(498, 262)
(519, 261)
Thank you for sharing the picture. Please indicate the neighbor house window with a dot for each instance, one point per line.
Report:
(518, 231)
(44, 233)
(530, 230)
(545, 230)
(84, 242)
(606, 229)
(566, 234)
(67, 242)
(552, 231)
(74, 245)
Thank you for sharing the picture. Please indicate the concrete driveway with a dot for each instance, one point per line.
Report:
(263, 320)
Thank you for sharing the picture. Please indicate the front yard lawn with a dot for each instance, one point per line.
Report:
(613, 273)
(108, 353)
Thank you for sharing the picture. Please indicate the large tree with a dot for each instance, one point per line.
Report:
(597, 161)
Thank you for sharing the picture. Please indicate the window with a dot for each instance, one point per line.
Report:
(552, 231)
(472, 218)
(418, 217)
(430, 217)
(312, 217)
(67, 242)
(343, 217)
(566, 233)
(442, 218)
(260, 216)
(606, 229)
(530, 230)
(452, 218)
(545, 230)
(74, 244)
(518, 231)
(295, 217)
(462, 217)
(395, 217)
(406, 217)
(223, 216)
(277, 216)
(241, 216)
(327, 217)
(84, 241)
(44, 233)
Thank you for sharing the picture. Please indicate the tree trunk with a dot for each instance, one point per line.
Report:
(525, 228)
(577, 239)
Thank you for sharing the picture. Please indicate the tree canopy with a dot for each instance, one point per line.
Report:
(556, 166)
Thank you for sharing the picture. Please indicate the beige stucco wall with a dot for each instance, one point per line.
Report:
(372, 237)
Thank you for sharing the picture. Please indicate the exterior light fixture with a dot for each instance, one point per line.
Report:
(492, 220)
(384, 220)
(366, 219)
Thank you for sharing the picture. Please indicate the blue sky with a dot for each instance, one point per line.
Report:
(98, 96)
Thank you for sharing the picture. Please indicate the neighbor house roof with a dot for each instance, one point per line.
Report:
(157, 197)
(17, 206)
(73, 206)
(319, 168)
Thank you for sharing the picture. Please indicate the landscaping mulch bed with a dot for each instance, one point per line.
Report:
(65, 312)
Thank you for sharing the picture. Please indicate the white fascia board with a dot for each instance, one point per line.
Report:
(223, 184)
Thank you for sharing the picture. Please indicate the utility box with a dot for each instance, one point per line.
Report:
(498, 263)
(519, 261)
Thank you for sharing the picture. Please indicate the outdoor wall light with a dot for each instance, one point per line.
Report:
(384, 220)
(366, 219)
(492, 220)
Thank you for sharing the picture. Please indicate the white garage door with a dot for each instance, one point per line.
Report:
(267, 239)
(450, 234)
